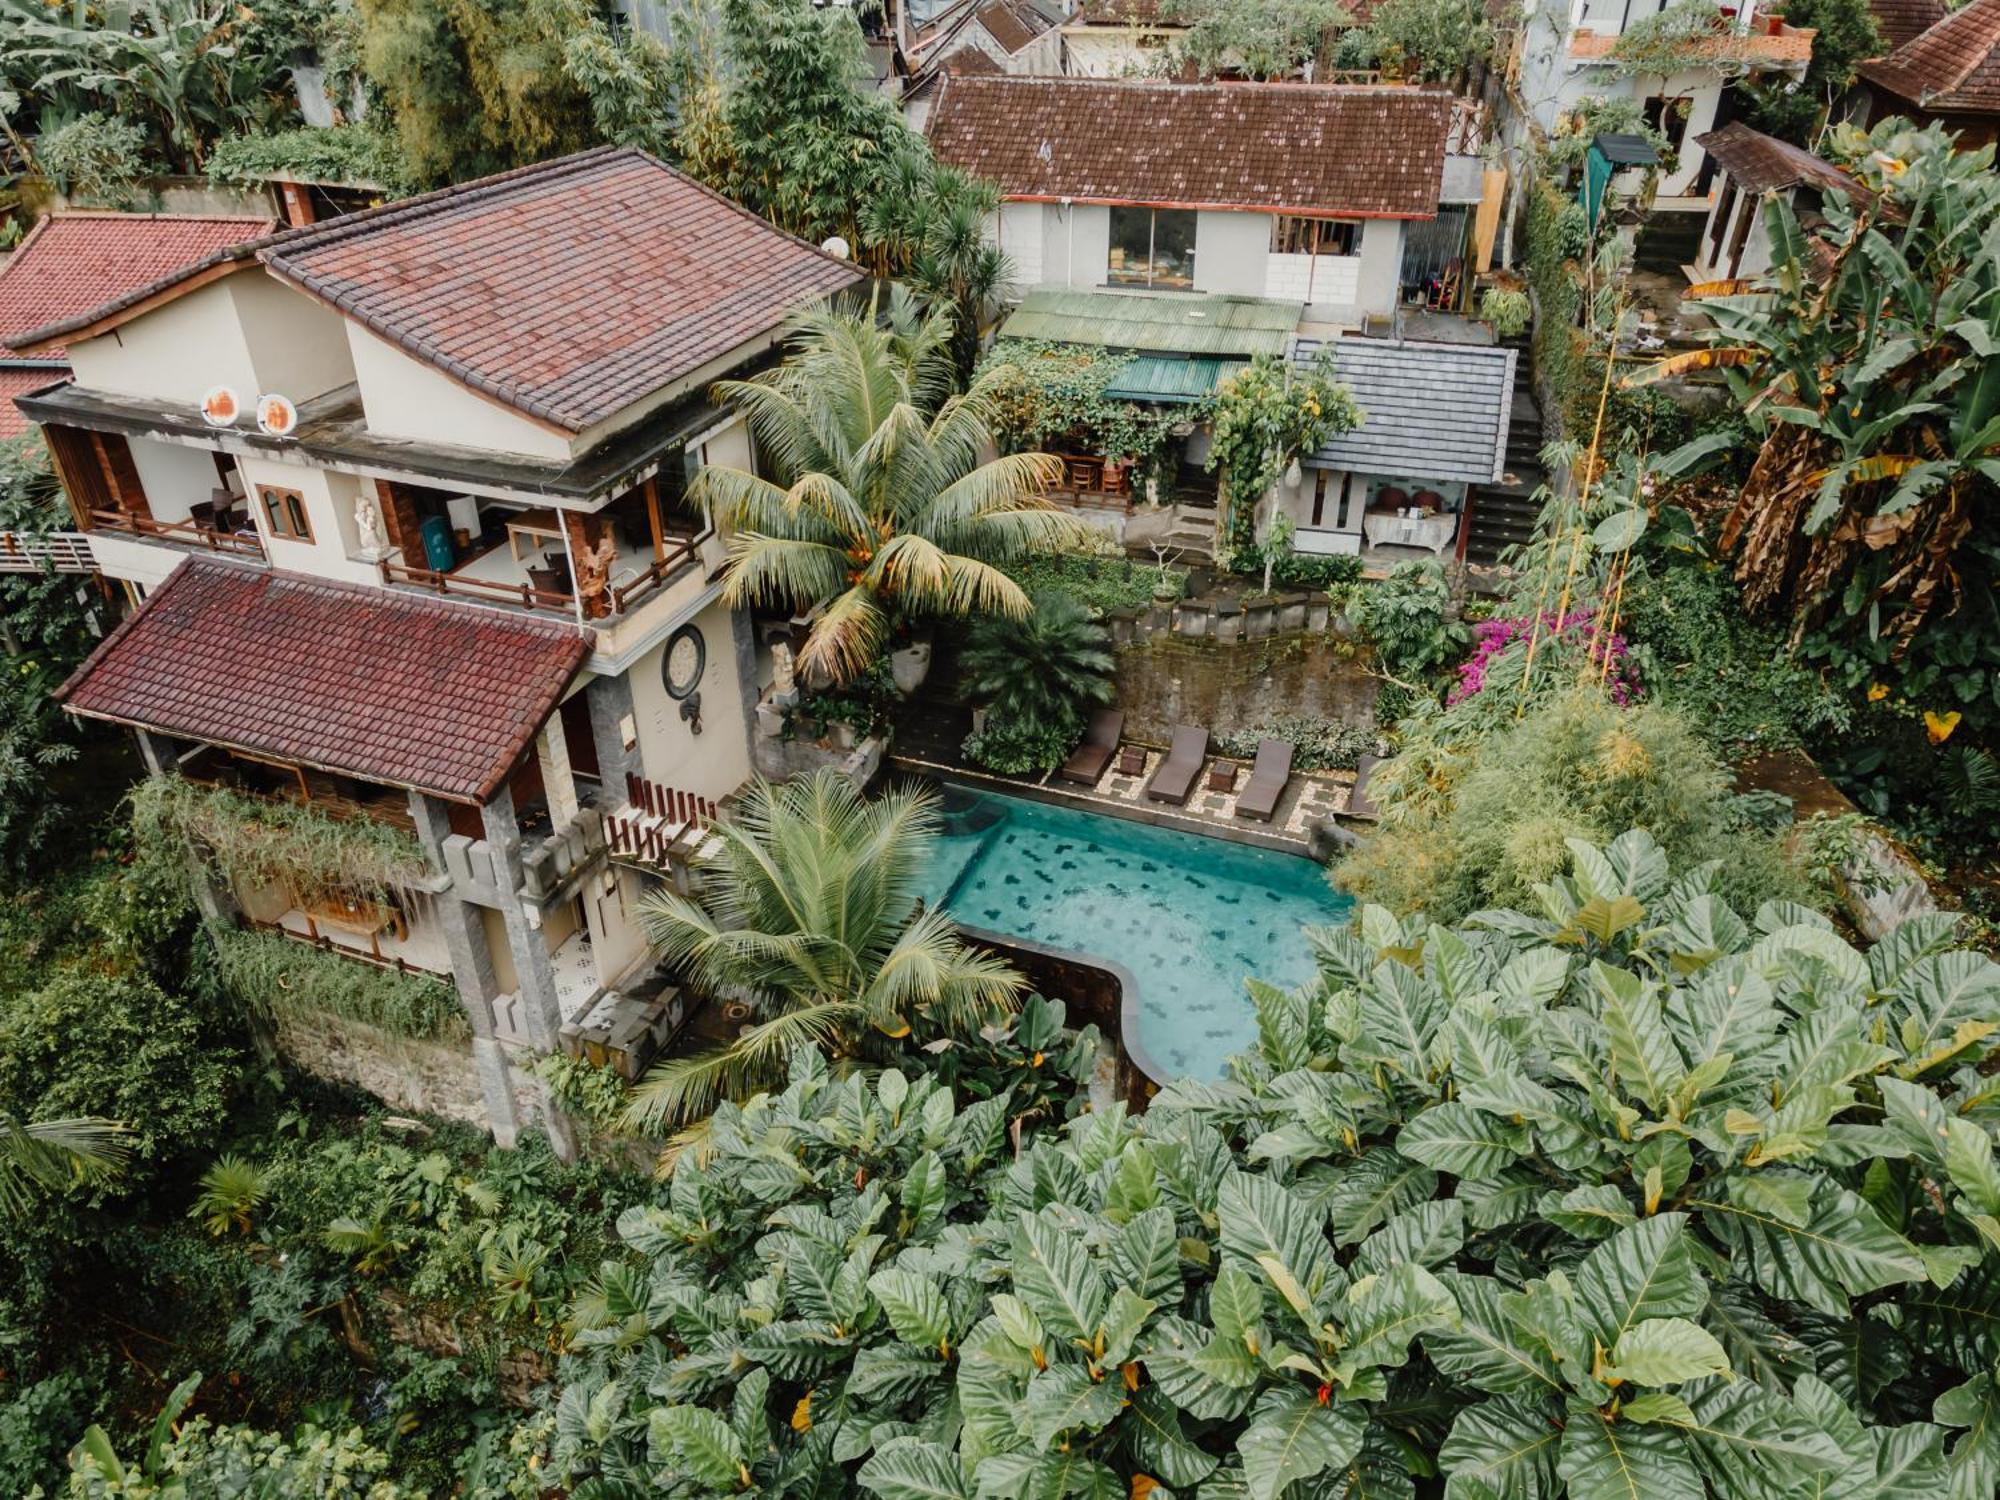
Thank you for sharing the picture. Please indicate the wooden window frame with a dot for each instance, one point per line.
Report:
(285, 514)
(1307, 234)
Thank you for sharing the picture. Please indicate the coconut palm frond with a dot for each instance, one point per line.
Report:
(846, 637)
(777, 570)
(54, 1153)
(682, 1089)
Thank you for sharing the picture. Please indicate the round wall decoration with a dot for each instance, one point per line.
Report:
(681, 666)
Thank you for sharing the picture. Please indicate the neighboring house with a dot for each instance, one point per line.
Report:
(1434, 430)
(1949, 74)
(1568, 57)
(71, 262)
(1118, 39)
(449, 581)
(1902, 21)
(1751, 166)
(1320, 194)
(1010, 37)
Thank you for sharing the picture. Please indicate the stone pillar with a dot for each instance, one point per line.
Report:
(213, 897)
(558, 780)
(743, 636)
(614, 729)
(464, 927)
(541, 1011)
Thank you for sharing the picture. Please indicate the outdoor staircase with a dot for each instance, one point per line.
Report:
(1668, 240)
(1192, 536)
(1503, 515)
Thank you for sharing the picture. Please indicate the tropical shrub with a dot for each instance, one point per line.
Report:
(1046, 394)
(1485, 822)
(1407, 618)
(1016, 747)
(333, 153)
(269, 975)
(1262, 417)
(96, 161)
(1317, 744)
(1620, 1197)
(1434, 41)
(1507, 309)
(1101, 583)
(1262, 39)
(1038, 677)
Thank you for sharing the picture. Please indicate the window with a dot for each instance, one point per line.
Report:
(1291, 235)
(285, 513)
(1152, 247)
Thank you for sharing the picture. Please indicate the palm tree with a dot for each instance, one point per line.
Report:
(881, 503)
(928, 223)
(53, 1153)
(809, 908)
(1042, 670)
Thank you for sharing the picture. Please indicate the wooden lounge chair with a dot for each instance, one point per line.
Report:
(1176, 776)
(1268, 779)
(1100, 742)
(1360, 806)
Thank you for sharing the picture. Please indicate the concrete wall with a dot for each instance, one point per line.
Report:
(1381, 265)
(329, 501)
(1017, 230)
(1330, 280)
(404, 399)
(173, 477)
(716, 761)
(146, 564)
(1170, 680)
(176, 352)
(298, 345)
(1112, 51)
(407, 1074)
(1076, 244)
(1230, 252)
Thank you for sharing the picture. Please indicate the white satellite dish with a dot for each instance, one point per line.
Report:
(276, 416)
(835, 246)
(220, 406)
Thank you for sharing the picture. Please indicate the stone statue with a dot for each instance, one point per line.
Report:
(368, 523)
(782, 677)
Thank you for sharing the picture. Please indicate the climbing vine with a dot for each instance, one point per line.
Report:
(1059, 390)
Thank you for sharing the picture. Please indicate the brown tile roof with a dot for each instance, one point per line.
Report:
(443, 698)
(71, 263)
(566, 290)
(1953, 68)
(1012, 23)
(971, 59)
(15, 381)
(1290, 147)
(1761, 163)
(1902, 21)
(1122, 13)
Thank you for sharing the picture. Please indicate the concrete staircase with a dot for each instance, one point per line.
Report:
(1503, 515)
(1668, 240)
(1193, 533)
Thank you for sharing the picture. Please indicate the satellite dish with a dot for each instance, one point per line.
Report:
(835, 246)
(220, 406)
(276, 415)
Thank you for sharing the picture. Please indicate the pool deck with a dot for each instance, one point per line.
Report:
(1309, 797)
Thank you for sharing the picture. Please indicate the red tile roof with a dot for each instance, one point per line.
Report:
(567, 290)
(1902, 21)
(18, 381)
(1761, 163)
(73, 262)
(1012, 23)
(1953, 68)
(1277, 147)
(443, 698)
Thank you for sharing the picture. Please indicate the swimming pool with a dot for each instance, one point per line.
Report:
(1190, 917)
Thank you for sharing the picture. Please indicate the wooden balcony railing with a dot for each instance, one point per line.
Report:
(489, 590)
(661, 827)
(679, 556)
(185, 533)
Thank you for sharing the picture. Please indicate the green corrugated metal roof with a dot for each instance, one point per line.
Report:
(1157, 322)
(1174, 377)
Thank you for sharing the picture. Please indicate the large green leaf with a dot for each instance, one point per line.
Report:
(1153, 1429)
(1843, 1252)
(912, 1469)
(1643, 1055)
(1145, 1254)
(1501, 1450)
(1666, 1351)
(1063, 1397)
(1291, 1437)
(915, 1306)
(1603, 1459)
(1752, 1443)
(1428, 1235)
(1485, 1347)
(1646, 1271)
(1375, 1185)
(1878, 1463)
(1264, 1224)
(1463, 1141)
(1053, 1274)
(1972, 1468)
(703, 1443)
(1385, 1312)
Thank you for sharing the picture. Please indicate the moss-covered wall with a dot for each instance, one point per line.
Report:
(1171, 680)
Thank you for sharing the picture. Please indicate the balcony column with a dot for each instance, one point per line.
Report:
(214, 898)
(541, 1010)
(558, 780)
(614, 728)
(472, 970)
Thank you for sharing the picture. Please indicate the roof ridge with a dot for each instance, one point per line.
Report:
(1294, 85)
(170, 218)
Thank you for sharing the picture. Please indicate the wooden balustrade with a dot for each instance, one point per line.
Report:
(186, 533)
(661, 825)
(491, 590)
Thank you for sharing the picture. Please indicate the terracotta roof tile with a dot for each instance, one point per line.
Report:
(1763, 164)
(73, 262)
(1319, 148)
(387, 687)
(1902, 21)
(1952, 68)
(18, 381)
(1012, 23)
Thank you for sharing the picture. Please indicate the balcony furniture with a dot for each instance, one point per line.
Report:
(463, 513)
(202, 513)
(548, 581)
(1100, 743)
(1387, 529)
(435, 533)
(541, 524)
(1268, 779)
(1175, 778)
(362, 918)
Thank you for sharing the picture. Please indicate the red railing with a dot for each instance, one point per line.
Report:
(185, 532)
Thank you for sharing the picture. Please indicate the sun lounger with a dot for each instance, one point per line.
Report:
(1176, 776)
(1100, 742)
(1268, 779)
(1360, 806)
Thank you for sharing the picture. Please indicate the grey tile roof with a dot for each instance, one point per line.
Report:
(1432, 411)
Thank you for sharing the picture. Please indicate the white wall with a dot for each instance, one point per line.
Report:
(402, 398)
(1230, 251)
(174, 477)
(1381, 264)
(1076, 244)
(1332, 280)
(144, 563)
(1112, 51)
(176, 352)
(715, 762)
(298, 346)
(1017, 230)
(329, 501)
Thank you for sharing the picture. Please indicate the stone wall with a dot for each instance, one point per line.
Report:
(403, 1072)
(1174, 678)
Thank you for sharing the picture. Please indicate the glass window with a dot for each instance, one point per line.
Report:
(1292, 235)
(285, 513)
(1151, 247)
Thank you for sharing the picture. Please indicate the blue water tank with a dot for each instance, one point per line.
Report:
(438, 555)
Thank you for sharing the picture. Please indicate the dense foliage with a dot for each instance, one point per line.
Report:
(1263, 39)
(1263, 417)
(1571, 1200)
(345, 154)
(1037, 679)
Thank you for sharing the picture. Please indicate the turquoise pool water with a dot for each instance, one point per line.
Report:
(1190, 916)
